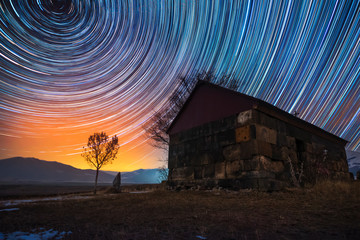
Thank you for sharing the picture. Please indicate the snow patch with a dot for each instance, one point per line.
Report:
(17, 202)
(44, 235)
(200, 237)
(9, 210)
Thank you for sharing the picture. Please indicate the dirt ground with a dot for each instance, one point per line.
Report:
(13, 191)
(326, 211)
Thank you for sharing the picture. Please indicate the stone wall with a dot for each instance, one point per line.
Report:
(252, 150)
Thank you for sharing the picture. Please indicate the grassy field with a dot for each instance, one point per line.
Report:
(327, 211)
(16, 191)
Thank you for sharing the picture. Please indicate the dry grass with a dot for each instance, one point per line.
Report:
(18, 191)
(327, 211)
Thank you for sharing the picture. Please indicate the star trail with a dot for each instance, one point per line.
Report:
(72, 67)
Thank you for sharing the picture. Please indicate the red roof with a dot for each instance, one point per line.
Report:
(209, 102)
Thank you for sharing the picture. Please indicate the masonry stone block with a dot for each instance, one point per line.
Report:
(231, 152)
(318, 148)
(269, 165)
(188, 160)
(208, 140)
(217, 156)
(175, 139)
(220, 168)
(308, 147)
(198, 172)
(264, 148)
(281, 127)
(204, 158)
(267, 121)
(243, 134)
(238, 151)
(224, 124)
(209, 171)
(308, 157)
(338, 155)
(210, 144)
(264, 183)
(284, 153)
(259, 174)
(251, 164)
(299, 133)
(175, 174)
(249, 149)
(213, 156)
(265, 134)
(291, 142)
(179, 162)
(174, 149)
(276, 152)
(226, 137)
(247, 183)
(289, 153)
(264, 163)
(281, 139)
(187, 148)
(234, 169)
(342, 153)
(244, 118)
(173, 163)
(184, 173)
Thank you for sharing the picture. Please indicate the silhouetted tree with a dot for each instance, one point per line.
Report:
(100, 150)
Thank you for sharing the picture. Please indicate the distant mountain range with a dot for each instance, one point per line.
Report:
(138, 176)
(20, 169)
(353, 159)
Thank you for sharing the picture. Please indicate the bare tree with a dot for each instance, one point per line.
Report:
(156, 130)
(100, 151)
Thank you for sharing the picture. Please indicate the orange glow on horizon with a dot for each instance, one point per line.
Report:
(65, 144)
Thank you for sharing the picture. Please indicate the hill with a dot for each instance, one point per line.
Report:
(139, 176)
(20, 169)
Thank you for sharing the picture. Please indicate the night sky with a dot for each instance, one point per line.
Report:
(70, 68)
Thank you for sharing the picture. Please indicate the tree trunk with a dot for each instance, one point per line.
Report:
(96, 179)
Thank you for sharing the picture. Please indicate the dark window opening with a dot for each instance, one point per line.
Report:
(300, 148)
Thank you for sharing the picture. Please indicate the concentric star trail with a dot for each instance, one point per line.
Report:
(72, 67)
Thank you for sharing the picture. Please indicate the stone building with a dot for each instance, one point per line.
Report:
(225, 138)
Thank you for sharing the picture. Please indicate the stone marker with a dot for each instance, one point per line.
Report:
(117, 182)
